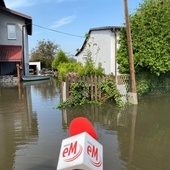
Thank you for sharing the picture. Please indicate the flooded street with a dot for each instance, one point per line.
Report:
(32, 129)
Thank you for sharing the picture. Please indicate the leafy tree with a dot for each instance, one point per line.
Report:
(60, 58)
(44, 52)
(151, 38)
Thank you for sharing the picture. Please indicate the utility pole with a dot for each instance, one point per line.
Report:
(132, 97)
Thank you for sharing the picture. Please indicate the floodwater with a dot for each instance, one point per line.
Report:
(32, 129)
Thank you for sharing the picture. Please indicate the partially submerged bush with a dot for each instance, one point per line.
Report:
(80, 94)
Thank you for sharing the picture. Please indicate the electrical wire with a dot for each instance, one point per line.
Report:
(58, 31)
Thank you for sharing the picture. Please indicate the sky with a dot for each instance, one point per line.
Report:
(65, 22)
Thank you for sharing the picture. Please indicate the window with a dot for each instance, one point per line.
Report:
(11, 31)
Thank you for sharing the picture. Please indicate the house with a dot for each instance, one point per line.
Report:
(15, 28)
(101, 44)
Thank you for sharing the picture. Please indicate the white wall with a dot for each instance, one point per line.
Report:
(102, 47)
(38, 66)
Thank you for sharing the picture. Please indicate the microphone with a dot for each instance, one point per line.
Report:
(80, 125)
(81, 150)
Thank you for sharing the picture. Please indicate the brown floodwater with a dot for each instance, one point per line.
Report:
(32, 129)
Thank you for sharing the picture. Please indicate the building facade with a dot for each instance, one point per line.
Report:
(15, 28)
(101, 45)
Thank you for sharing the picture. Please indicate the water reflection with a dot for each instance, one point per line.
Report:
(109, 121)
(44, 87)
(32, 129)
(152, 133)
(18, 123)
(136, 137)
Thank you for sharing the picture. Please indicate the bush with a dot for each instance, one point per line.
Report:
(65, 68)
(77, 67)
(148, 83)
(60, 58)
(80, 95)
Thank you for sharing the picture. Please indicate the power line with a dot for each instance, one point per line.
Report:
(58, 31)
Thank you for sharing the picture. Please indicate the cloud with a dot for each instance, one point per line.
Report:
(15, 4)
(63, 21)
(19, 3)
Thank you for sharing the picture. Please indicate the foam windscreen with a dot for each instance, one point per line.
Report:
(80, 125)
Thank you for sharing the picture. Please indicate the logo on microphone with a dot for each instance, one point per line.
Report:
(93, 153)
(72, 151)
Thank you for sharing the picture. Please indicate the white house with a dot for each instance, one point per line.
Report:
(101, 43)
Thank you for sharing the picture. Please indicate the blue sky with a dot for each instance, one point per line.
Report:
(74, 17)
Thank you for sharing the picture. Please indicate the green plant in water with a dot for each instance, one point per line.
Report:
(111, 93)
(79, 95)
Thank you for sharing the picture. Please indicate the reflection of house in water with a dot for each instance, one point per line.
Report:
(17, 123)
(106, 115)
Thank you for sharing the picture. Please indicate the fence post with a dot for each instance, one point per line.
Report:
(67, 85)
(64, 91)
(91, 86)
(98, 85)
(95, 87)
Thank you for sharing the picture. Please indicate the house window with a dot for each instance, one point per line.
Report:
(11, 31)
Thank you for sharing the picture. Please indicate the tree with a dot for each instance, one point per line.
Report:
(60, 58)
(44, 52)
(151, 38)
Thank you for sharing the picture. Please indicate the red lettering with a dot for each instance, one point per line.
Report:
(65, 151)
(88, 150)
(93, 152)
(71, 149)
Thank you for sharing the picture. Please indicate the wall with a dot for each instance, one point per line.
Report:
(6, 18)
(8, 81)
(102, 46)
(22, 36)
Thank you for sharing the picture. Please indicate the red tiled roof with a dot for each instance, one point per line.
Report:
(10, 53)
